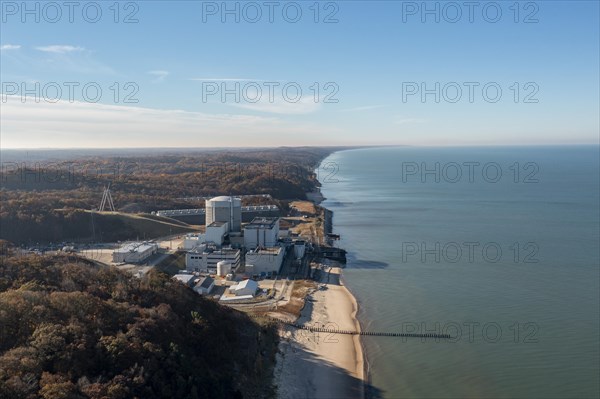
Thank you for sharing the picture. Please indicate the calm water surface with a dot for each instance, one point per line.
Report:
(500, 249)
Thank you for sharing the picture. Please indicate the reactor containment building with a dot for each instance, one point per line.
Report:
(225, 209)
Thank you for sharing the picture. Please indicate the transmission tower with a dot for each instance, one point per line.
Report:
(107, 200)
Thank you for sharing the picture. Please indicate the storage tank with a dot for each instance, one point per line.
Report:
(225, 209)
(299, 249)
(223, 268)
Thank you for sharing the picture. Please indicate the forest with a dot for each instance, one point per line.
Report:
(73, 329)
(41, 200)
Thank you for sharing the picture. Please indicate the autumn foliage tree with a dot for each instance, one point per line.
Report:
(71, 329)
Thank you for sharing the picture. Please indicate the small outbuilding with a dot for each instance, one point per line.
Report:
(246, 287)
(205, 285)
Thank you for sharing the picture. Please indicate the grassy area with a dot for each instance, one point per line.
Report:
(312, 227)
(305, 207)
(172, 264)
(301, 289)
(142, 226)
(161, 219)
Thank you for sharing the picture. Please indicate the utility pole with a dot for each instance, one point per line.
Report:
(93, 227)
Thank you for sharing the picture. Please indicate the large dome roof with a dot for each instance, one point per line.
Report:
(221, 198)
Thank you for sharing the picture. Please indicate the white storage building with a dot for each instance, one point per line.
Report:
(205, 286)
(134, 252)
(246, 287)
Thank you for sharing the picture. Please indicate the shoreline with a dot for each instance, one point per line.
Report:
(359, 347)
(322, 365)
(317, 364)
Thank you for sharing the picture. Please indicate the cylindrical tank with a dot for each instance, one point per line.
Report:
(225, 209)
(223, 268)
(299, 248)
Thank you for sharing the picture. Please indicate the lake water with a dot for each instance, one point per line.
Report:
(498, 247)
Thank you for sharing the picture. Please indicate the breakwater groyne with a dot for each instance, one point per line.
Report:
(350, 332)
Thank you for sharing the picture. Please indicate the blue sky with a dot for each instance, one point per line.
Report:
(368, 61)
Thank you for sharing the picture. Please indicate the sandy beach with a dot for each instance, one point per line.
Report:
(323, 365)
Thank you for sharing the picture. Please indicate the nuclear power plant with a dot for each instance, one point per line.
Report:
(225, 209)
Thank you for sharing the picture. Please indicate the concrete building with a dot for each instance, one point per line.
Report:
(191, 241)
(261, 232)
(225, 209)
(216, 232)
(134, 252)
(205, 286)
(229, 254)
(198, 215)
(246, 287)
(236, 239)
(195, 260)
(264, 260)
(205, 258)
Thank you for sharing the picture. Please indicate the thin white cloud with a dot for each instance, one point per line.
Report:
(262, 97)
(79, 124)
(160, 75)
(400, 120)
(10, 47)
(59, 49)
(280, 106)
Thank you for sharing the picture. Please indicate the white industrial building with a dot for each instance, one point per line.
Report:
(246, 287)
(216, 232)
(191, 241)
(264, 260)
(261, 232)
(205, 258)
(225, 209)
(205, 285)
(134, 252)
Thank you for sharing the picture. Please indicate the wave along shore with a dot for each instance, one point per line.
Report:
(323, 365)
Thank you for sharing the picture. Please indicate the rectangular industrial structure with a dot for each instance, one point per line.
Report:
(190, 241)
(261, 232)
(205, 258)
(134, 252)
(216, 232)
(265, 260)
